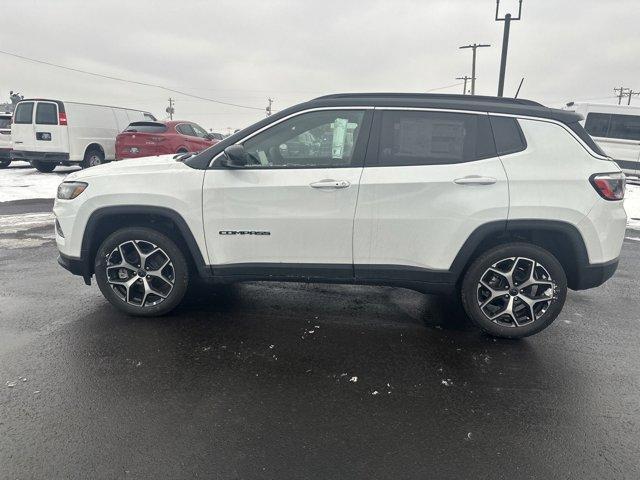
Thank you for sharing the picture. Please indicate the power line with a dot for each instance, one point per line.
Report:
(135, 82)
(442, 88)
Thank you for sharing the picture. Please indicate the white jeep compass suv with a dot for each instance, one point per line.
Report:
(506, 202)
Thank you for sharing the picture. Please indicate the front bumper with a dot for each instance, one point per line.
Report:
(46, 157)
(75, 266)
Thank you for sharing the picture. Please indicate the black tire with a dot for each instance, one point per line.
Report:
(114, 293)
(44, 167)
(528, 321)
(5, 163)
(181, 151)
(93, 158)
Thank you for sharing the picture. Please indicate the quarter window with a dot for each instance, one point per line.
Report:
(507, 134)
(434, 138)
(47, 114)
(24, 113)
(316, 139)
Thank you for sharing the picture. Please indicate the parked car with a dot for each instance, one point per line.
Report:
(144, 139)
(504, 202)
(5, 139)
(615, 128)
(48, 133)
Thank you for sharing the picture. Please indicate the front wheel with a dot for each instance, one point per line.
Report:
(44, 167)
(141, 272)
(514, 290)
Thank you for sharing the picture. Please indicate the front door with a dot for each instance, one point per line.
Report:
(290, 210)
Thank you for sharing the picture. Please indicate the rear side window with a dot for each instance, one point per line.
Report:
(24, 113)
(508, 135)
(433, 138)
(146, 127)
(597, 124)
(625, 126)
(46, 114)
(5, 122)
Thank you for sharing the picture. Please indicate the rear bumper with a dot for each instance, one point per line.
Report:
(594, 275)
(47, 157)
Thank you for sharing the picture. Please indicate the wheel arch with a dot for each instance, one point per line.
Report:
(560, 238)
(107, 220)
(94, 146)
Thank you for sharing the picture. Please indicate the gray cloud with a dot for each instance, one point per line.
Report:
(244, 51)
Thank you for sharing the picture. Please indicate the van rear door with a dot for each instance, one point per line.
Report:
(22, 129)
(50, 127)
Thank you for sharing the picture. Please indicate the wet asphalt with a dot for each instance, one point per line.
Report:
(258, 381)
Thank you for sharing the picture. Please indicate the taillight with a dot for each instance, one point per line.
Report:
(62, 118)
(610, 186)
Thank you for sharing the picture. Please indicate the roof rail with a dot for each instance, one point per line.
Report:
(434, 96)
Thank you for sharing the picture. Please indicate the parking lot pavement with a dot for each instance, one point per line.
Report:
(295, 381)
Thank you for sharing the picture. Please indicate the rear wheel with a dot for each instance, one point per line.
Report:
(93, 158)
(44, 167)
(141, 272)
(514, 290)
(4, 163)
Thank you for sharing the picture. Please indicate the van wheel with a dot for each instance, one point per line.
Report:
(92, 158)
(514, 290)
(44, 167)
(141, 271)
(4, 163)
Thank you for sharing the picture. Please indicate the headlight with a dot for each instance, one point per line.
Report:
(70, 190)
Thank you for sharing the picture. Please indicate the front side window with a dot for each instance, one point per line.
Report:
(47, 114)
(186, 129)
(320, 139)
(199, 131)
(24, 113)
(433, 138)
(597, 124)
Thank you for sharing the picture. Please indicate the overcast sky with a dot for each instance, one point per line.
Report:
(244, 51)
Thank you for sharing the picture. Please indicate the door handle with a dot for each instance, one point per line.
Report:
(330, 183)
(475, 180)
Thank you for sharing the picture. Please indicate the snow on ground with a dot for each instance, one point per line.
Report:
(22, 182)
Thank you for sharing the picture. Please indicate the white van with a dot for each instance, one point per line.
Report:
(616, 129)
(51, 132)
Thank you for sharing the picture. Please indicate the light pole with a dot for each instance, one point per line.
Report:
(474, 47)
(505, 42)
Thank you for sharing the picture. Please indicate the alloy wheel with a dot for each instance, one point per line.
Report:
(515, 291)
(140, 273)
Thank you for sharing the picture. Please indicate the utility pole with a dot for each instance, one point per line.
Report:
(622, 91)
(505, 42)
(170, 110)
(629, 94)
(268, 109)
(465, 78)
(474, 47)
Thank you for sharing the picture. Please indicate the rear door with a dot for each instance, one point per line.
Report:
(22, 129)
(430, 179)
(49, 135)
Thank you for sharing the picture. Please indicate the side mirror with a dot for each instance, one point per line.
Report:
(235, 157)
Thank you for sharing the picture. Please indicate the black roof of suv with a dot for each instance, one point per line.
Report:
(474, 103)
